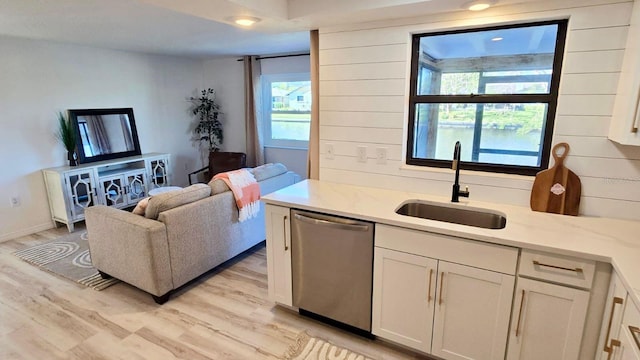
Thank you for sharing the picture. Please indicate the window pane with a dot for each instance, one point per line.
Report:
(290, 126)
(509, 134)
(291, 96)
(463, 63)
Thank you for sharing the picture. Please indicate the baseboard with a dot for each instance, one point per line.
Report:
(27, 231)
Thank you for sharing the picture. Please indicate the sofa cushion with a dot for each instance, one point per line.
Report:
(218, 186)
(172, 199)
(266, 171)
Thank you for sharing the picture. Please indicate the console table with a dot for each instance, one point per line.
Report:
(119, 183)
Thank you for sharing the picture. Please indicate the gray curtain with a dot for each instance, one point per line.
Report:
(313, 154)
(98, 135)
(252, 110)
(126, 132)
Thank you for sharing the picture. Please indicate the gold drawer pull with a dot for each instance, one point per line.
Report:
(441, 286)
(616, 300)
(578, 270)
(284, 228)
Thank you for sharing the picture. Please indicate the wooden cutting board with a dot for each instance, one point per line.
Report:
(557, 190)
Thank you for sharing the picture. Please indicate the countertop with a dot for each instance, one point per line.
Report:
(602, 239)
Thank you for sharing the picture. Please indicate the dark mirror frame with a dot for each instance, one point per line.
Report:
(82, 157)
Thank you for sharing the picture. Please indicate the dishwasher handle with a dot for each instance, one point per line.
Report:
(335, 225)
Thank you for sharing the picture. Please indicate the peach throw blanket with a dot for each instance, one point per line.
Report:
(245, 190)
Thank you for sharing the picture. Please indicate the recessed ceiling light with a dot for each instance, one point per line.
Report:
(478, 5)
(497, 38)
(245, 20)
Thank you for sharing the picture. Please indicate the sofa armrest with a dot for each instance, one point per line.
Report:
(129, 247)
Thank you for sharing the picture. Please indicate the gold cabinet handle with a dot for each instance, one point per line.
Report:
(520, 314)
(616, 300)
(578, 270)
(429, 289)
(613, 344)
(635, 332)
(284, 232)
(441, 286)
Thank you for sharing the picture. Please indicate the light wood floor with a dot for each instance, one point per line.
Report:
(225, 314)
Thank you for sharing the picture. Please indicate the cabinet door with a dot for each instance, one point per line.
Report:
(616, 300)
(113, 191)
(278, 229)
(80, 192)
(158, 169)
(627, 348)
(136, 186)
(547, 321)
(471, 319)
(403, 298)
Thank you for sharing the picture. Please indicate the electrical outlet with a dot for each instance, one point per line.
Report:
(381, 156)
(328, 151)
(362, 154)
(14, 201)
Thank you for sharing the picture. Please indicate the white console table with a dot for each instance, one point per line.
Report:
(119, 183)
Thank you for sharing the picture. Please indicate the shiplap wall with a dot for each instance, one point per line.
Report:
(364, 71)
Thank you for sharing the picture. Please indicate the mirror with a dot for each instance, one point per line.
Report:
(104, 134)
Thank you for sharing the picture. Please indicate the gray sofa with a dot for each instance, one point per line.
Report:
(183, 234)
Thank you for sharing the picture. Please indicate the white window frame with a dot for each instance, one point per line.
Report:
(266, 80)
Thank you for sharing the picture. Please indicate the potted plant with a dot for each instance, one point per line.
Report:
(67, 136)
(207, 112)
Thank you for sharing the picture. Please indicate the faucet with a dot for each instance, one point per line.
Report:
(456, 193)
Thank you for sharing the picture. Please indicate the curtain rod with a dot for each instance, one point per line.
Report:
(277, 56)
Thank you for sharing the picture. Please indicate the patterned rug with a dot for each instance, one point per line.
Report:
(68, 257)
(307, 347)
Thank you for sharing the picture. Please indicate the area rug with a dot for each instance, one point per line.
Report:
(68, 257)
(308, 347)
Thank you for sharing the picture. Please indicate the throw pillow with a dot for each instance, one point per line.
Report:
(141, 206)
(268, 170)
(172, 199)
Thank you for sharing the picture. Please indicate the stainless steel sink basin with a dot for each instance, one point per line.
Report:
(482, 218)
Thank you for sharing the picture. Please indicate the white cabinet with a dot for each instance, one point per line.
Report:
(404, 298)
(627, 345)
(547, 321)
(278, 231)
(436, 305)
(550, 310)
(472, 312)
(626, 112)
(119, 183)
(612, 320)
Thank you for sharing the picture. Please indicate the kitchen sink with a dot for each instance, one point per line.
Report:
(482, 218)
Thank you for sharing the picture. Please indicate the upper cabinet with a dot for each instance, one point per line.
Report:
(626, 113)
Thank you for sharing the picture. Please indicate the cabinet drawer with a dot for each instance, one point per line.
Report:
(557, 268)
(474, 253)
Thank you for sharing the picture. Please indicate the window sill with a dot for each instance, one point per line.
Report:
(286, 147)
(484, 174)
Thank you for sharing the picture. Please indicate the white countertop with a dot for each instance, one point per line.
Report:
(609, 240)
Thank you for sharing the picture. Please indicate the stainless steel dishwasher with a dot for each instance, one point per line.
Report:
(332, 267)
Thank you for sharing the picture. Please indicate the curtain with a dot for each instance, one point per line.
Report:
(313, 154)
(126, 132)
(98, 136)
(252, 110)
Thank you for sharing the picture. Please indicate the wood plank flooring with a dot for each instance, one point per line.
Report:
(225, 314)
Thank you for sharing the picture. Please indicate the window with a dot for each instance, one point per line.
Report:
(287, 115)
(495, 90)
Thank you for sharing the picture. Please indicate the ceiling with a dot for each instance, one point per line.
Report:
(199, 28)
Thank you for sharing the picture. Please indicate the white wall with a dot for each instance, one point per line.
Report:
(364, 95)
(38, 79)
(226, 76)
